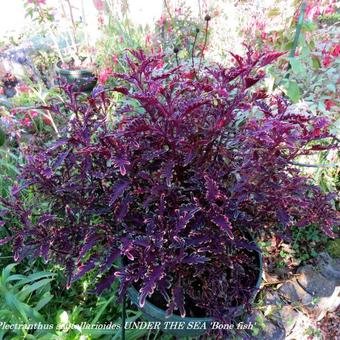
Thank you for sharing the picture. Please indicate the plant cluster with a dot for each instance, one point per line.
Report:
(178, 29)
(194, 163)
(8, 84)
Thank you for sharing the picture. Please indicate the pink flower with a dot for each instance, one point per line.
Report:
(1, 90)
(115, 59)
(100, 20)
(23, 88)
(147, 39)
(329, 10)
(33, 114)
(104, 75)
(99, 4)
(161, 21)
(41, 2)
(25, 122)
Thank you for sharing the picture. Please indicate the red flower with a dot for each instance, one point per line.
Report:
(336, 50)
(25, 122)
(327, 60)
(329, 103)
(47, 120)
(161, 64)
(189, 75)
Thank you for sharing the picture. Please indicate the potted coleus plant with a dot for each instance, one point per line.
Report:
(169, 198)
(75, 65)
(79, 67)
(79, 74)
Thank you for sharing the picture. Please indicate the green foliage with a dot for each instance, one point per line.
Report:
(22, 299)
(118, 35)
(179, 29)
(9, 162)
(313, 333)
(333, 247)
(2, 137)
(330, 19)
(292, 90)
(307, 242)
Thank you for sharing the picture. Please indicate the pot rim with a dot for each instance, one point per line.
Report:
(134, 296)
(84, 72)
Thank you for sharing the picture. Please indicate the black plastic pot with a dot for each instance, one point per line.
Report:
(83, 80)
(154, 313)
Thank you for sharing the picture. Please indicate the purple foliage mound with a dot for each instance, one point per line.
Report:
(189, 167)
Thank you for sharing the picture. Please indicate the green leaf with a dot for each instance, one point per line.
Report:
(27, 290)
(102, 309)
(293, 91)
(297, 66)
(316, 63)
(2, 137)
(14, 304)
(16, 277)
(273, 12)
(34, 277)
(6, 271)
(43, 301)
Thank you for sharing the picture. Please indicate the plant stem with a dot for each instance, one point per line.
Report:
(204, 45)
(177, 62)
(53, 36)
(193, 49)
(123, 317)
(73, 28)
(297, 35)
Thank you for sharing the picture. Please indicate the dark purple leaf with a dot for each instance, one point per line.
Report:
(150, 284)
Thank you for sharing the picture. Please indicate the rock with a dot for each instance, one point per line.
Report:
(271, 331)
(326, 304)
(312, 293)
(315, 283)
(263, 328)
(272, 298)
(288, 318)
(300, 329)
(329, 267)
(293, 292)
